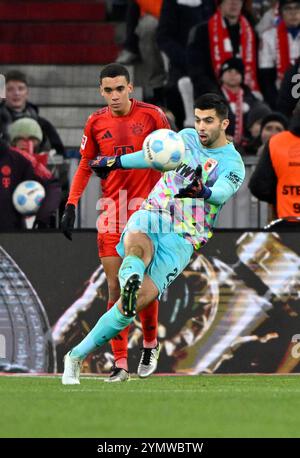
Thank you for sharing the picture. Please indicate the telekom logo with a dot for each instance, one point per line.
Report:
(2, 86)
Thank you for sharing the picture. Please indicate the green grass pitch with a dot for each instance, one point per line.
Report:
(175, 407)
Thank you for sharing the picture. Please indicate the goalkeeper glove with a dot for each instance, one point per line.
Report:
(68, 220)
(196, 188)
(104, 165)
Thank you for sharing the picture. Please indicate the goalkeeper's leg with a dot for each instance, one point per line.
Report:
(139, 250)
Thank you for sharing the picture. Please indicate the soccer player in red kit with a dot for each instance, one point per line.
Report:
(120, 128)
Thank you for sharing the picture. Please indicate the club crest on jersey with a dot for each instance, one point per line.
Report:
(137, 128)
(83, 141)
(210, 165)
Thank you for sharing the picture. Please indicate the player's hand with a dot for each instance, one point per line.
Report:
(68, 220)
(194, 189)
(104, 165)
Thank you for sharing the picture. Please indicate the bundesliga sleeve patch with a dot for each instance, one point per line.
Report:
(83, 141)
(234, 178)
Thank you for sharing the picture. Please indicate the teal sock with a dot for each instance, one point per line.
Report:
(109, 325)
(131, 265)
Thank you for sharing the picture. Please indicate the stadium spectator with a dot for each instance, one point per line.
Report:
(289, 92)
(240, 98)
(227, 34)
(145, 27)
(26, 136)
(16, 167)
(130, 52)
(177, 18)
(121, 128)
(272, 124)
(153, 260)
(254, 119)
(16, 106)
(268, 17)
(277, 175)
(280, 48)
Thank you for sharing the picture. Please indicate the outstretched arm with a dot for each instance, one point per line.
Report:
(103, 166)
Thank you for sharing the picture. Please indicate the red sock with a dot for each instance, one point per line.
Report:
(149, 320)
(119, 345)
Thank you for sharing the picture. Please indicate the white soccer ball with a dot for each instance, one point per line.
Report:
(28, 196)
(164, 149)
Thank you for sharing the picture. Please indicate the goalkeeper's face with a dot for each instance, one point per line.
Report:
(116, 92)
(210, 128)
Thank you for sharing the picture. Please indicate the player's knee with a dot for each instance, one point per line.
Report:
(136, 250)
(140, 245)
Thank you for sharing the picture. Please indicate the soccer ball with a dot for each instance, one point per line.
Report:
(28, 196)
(164, 149)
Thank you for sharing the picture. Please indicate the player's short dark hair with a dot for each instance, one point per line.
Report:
(113, 70)
(211, 101)
(16, 75)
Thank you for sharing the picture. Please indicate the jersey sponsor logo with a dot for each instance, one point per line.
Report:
(234, 178)
(106, 135)
(83, 141)
(124, 149)
(185, 170)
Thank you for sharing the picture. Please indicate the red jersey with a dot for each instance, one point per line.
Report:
(109, 135)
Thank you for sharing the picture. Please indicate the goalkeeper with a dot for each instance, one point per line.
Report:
(177, 218)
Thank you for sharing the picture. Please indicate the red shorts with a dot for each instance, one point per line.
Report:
(107, 244)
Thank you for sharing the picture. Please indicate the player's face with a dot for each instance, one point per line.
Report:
(116, 92)
(16, 95)
(210, 127)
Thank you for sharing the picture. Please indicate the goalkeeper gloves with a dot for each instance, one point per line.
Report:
(68, 220)
(104, 165)
(196, 188)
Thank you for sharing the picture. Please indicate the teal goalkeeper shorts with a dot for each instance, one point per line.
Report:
(171, 254)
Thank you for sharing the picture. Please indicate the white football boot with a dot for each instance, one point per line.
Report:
(71, 370)
(148, 361)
